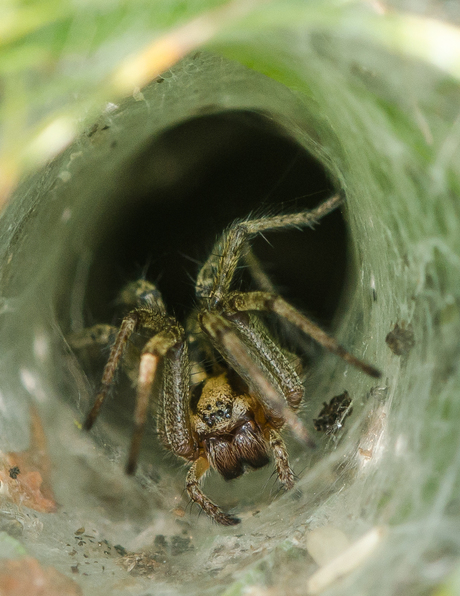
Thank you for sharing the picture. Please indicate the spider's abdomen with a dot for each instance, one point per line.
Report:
(230, 455)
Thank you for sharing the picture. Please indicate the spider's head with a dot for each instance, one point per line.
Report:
(141, 293)
(220, 408)
(225, 424)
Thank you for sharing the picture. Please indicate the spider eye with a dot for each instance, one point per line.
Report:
(211, 415)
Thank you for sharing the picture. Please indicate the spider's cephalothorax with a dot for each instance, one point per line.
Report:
(229, 428)
(232, 418)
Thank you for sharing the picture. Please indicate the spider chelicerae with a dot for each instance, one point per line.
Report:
(250, 388)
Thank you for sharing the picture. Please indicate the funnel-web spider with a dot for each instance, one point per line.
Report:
(232, 419)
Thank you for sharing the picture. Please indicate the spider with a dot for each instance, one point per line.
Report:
(231, 419)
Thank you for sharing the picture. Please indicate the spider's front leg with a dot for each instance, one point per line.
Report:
(174, 419)
(283, 468)
(262, 365)
(249, 350)
(226, 318)
(198, 469)
(216, 276)
(238, 302)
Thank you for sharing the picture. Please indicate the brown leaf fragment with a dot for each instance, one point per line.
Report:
(26, 577)
(26, 475)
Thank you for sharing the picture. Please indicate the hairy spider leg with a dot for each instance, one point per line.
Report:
(142, 292)
(216, 275)
(283, 469)
(226, 340)
(174, 426)
(150, 317)
(267, 302)
(265, 284)
(277, 364)
(129, 324)
(256, 270)
(213, 286)
(197, 470)
(174, 421)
